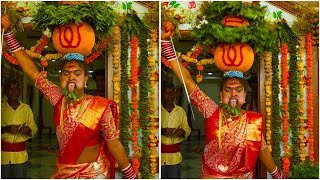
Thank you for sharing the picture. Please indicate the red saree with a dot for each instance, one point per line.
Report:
(240, 147)
(72, 141)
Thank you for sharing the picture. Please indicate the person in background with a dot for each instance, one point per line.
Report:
(253, 103)
(234, 137)
(99, 78)
(174, 130)
(86, 126)
(17, 126)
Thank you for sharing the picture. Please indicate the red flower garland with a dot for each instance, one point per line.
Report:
(285, 124)
(43, 42)
(98, 52)
(10, 58)
(309, 96)
(134, 102)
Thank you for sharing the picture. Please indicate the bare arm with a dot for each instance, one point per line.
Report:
(117, 150)
(25, 62)
(190, 84)
(267, 160)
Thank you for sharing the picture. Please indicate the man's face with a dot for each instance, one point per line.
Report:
(100, 82)
(168, 96)
(13, 92)
(233, 90)
(73, 76)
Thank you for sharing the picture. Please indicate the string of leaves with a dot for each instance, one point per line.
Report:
(276, 121)
(144, 87)
(293, 97)
(258, 34)
(124, 109)
(98, 14)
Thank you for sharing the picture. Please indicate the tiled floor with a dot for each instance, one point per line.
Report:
(191, 163)
(42, 157)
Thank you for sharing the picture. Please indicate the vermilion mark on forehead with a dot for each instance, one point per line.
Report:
(232, 82)
(71, 66)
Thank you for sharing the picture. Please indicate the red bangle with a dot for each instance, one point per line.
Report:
(129, 172)
(276, 174)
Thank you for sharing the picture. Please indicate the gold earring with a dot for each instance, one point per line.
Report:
(220, 101)
(85, 86)
(244, 101)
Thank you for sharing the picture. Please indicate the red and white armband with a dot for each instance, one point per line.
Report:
(129, 172)
(276, 174)
(12, 41)
(168, 50)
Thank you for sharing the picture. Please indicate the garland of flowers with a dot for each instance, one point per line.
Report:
(144, 85)
(285, 125)
(302, 130)
(10, 58)
(116, 66)
(267, 68)
(293, 101)
(134, 102)
(153, 99)
(96, 54)
(309, 96)
(124, 109)
(276, 121)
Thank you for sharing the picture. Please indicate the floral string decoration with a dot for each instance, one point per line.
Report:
(285, 120)
(276, 121)
(302, 130)
(309, 96)
(116, 66)
(267, 67)
(134, 102)
(293, 95)
(96, 54)
(124, 109)
(153, 99)
(144, 105)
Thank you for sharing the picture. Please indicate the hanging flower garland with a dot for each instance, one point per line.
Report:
(96, 54)
(276, 121)
(10, 58)
(153, 99)
(116, 66)
(285, 120)
(134, 102)
(293, 98)
(124, 109)
(309, 96)
(144, 85)
(267, 67)
(302, 130)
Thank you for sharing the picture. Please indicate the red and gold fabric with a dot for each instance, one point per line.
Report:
(240, 144)
(89, 122)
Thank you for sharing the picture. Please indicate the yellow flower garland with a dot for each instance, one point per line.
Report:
(268, 96)
(153, 120)
(116, 66)
(302, 138)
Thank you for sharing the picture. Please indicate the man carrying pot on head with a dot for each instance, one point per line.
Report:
(86, 126)
(234, 138)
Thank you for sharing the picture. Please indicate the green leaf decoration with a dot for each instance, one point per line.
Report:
(97, 13)
(172, 3)
(124, 6)
(176, 5)
(259, 34)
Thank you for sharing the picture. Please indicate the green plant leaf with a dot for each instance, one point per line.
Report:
(172, 3)
(176, 5)
(274, 15)
(124, 6)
